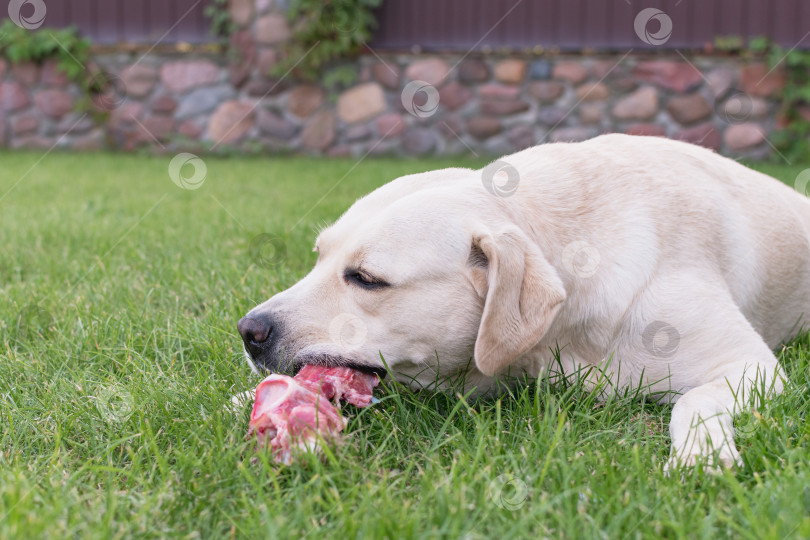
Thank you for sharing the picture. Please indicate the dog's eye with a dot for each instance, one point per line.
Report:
(362, 279)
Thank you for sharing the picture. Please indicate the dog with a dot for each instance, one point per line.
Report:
(651, 262)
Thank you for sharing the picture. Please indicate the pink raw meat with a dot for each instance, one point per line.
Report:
(295, 412)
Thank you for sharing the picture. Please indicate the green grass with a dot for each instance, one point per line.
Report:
(118, 350)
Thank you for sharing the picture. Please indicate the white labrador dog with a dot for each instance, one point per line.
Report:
(658, 262)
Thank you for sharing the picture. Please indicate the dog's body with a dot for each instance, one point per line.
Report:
(658, 262)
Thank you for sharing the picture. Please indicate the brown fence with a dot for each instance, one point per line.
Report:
(577, 24)
(131, 21)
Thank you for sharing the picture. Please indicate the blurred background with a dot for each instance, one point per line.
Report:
(412, 77)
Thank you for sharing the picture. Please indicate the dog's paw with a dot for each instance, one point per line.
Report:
(713, 461)
(240, 401)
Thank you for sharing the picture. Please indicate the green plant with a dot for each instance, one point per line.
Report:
(221, 23)
(70, 51)
(791, 140)
(325, 31)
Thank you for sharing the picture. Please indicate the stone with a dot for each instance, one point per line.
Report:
(703, 134)
(24, 125)
(203, 100)
(600, 69)
(13, 96)
(241, 11)
(503, 107)
(263, 6)
(760, 81)
(451, 126)
(75, 123)
(266, 87)
(52, 75)
(2, 127)
(591, 113)
(498, 91)
(390, 124)
(551, 116)
(483, 127)
(25, 73)
(647, 130)
(572, 134)
(3, 65)
(184, 75)
(190, 130)
(319, 133)
(510, 71)
(546, 91)
(154, 128)
(272, 29)
(357, 132)
(689, 109)
(520, 137)
(593, 92)
(738, 137)
(92, 142)
(625, 84)
(361, 103)
(231, 121)
(454, 95)
(125, 114)
(305, 100)
(266, 60)
(139, 80)
(573, 72)
(341, 150)
(419, 141)
(540, 70)
(387, 75)
(431, 70)
(243, 57)
(35, 143)
(274, 125)
(640, 105)
(164, 104)
(54, 103)
(720, 81)
(677, 76)
(472, 70)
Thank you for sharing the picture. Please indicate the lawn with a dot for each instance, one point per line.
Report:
(118, 350)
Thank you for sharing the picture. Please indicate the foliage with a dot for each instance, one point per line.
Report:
(792, 139)
(221, 24)
(325, 31)
(70, 51)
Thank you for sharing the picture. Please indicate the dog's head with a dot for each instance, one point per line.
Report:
(421, 274)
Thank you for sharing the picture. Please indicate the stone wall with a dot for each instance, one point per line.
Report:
(409, 104)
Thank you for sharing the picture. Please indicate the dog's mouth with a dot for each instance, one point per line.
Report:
(331, 361)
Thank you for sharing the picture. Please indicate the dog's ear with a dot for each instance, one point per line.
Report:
(523, 294)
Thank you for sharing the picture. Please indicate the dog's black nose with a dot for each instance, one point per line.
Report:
(255, 330)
